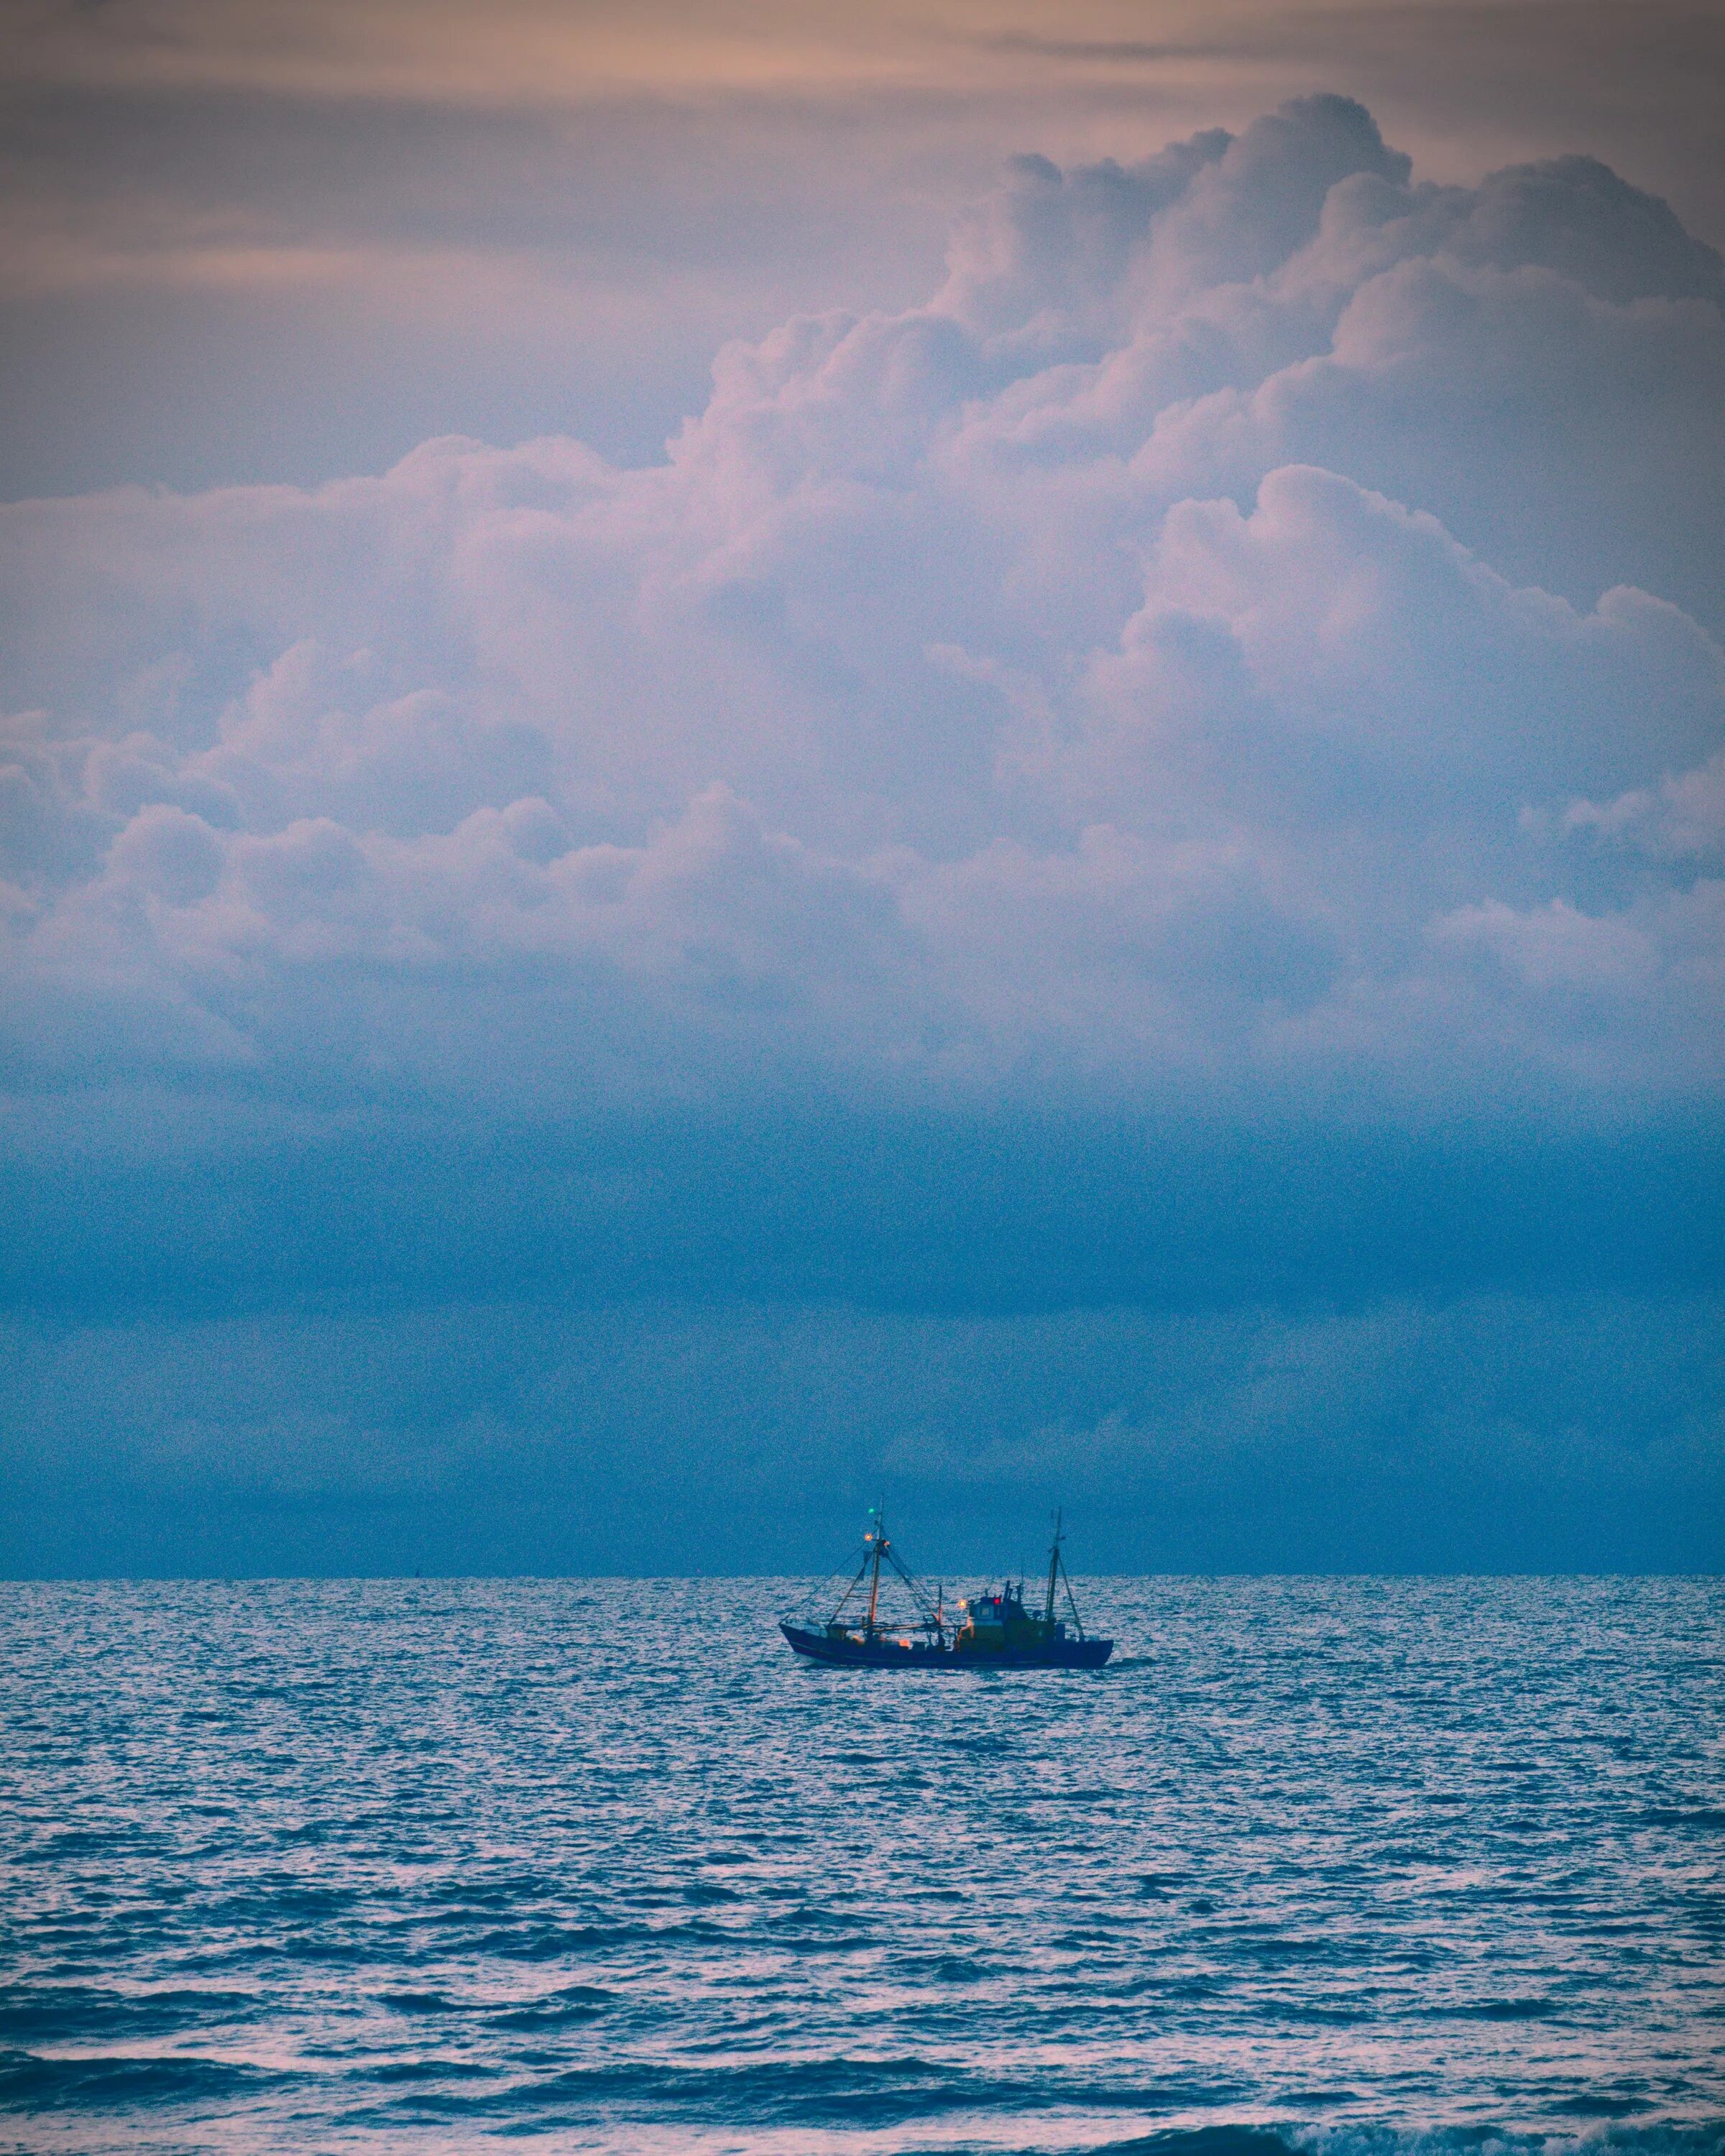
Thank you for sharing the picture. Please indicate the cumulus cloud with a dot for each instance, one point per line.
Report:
(1255, 626)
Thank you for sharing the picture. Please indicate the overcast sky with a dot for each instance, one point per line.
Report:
(791, 751)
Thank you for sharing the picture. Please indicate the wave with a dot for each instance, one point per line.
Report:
(1615, 2138)
(61, 2013)
(33, 2081)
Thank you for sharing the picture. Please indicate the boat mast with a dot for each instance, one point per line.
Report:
(877, 1537)
(1053, 1566)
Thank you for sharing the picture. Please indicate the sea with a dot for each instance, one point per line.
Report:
(1350, 1867)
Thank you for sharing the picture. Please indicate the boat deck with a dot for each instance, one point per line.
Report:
(896, 1653)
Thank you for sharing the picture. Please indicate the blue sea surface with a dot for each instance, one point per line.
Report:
(1328, 1865)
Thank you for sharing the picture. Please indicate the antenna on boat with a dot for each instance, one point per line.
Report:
(1054, 1567)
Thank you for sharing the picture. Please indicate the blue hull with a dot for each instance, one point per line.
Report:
(891, 1655)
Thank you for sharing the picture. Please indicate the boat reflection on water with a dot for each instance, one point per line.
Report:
(995, 1631)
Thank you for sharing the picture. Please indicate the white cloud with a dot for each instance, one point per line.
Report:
(1173, 655)
(1685, 814)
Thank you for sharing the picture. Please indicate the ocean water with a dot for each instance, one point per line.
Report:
(1326, 1865)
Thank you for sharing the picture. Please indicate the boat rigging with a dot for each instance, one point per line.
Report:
(990, 1631)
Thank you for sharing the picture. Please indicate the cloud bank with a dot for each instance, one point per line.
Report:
(246, 241)
(1502, 1432)
(1243, 659)
(1253, 633)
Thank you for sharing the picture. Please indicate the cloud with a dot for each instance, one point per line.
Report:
(1107, 882)
(1682, 816)
(997, 700)
(246, 242)
(1501, 1430)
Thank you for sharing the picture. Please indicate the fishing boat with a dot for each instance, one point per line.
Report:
(996, 1631)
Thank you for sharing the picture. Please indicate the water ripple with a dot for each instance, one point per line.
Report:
(1317, 1868)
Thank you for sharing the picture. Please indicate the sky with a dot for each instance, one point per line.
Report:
(784, 754)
